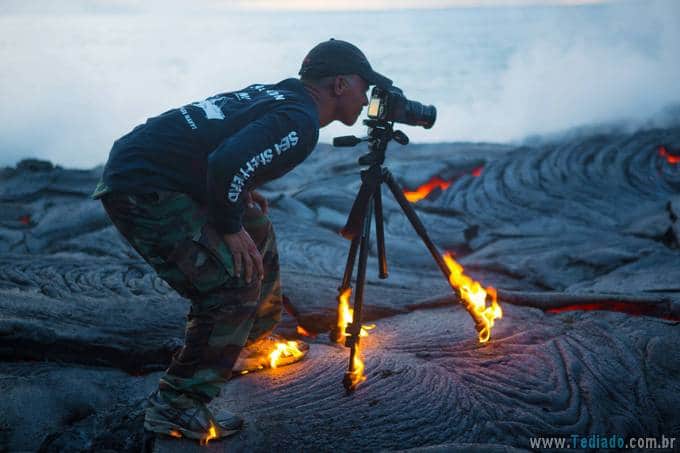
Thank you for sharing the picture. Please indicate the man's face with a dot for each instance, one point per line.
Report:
(352, 98)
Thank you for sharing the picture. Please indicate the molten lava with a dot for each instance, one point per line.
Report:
(425, 190)
(284, 349)
(670, 158)
(474, 298)
(631, 308)
(212, 434)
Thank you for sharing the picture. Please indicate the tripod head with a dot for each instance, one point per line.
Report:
(380, 133)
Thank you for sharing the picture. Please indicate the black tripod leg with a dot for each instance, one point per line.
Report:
(420, 229)
(335, 334)
(354, 329)
(380, 234)
(349, 267)
(415, 221)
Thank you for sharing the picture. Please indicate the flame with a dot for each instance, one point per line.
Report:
(302, 331)
(424, 190)
(346, 316)
(175, 433)
(477, 171)
(670, 158)
(284, 349)
(211, 434)
(474, 297)
(356, 376)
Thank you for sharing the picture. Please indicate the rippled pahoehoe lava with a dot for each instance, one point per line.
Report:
(589, 216)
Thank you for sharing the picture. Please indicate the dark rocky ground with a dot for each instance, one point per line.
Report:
(581, 237)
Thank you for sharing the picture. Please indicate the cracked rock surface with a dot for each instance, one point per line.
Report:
(577, 233)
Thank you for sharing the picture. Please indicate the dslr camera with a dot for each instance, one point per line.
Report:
(391, 105)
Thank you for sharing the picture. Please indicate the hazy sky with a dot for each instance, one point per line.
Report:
(67, 6)
(397, 4)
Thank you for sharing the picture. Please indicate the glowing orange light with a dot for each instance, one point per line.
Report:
(284, 349)
(670, 158)
(345, 314)
(424, 190)
(345, 317)
(356, 376)
(175, 433)
(302, 331)
(212, 434)
(631, 308)
(477, 171)
(474, 297)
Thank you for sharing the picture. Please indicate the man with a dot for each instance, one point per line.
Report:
(180, 190)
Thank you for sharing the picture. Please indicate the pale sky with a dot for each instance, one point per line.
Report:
(118, 6)
(397, 4)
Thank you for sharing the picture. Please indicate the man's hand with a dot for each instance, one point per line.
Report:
(256, 197)
(246, 255)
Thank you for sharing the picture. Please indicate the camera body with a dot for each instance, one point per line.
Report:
(391, 105)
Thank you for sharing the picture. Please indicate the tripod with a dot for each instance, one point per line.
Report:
(368, 203)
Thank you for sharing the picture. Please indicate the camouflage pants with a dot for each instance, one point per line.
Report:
(171, 232)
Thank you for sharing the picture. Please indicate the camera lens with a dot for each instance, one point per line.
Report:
(417, 114)
(412, 113)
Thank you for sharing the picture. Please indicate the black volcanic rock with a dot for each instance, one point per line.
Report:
(581, 223)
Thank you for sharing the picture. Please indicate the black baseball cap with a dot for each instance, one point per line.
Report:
(336, 57)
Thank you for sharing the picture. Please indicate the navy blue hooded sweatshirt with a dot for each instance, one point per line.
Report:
(217, 149)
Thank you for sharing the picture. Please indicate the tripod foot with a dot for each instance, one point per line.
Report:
(348, 383)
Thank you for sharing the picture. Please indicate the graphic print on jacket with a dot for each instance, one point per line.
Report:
(217, 148)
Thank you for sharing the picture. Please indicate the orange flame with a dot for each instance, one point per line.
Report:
(175, 433)
(670, 158)
(284, 349)
(424, 190)
(356, 376)
(302, 331)
(474, 297)
(346, 316)
(212, 434)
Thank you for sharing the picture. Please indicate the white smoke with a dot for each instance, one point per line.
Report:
(79, 77)
(556, 84)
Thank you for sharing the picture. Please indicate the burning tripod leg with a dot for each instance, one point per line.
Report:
(354, 374)
(344, 315)
(472, 295)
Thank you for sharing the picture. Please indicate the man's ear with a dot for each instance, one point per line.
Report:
(340, 84)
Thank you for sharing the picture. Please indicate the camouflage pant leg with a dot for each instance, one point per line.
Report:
(170, 231)
(268, 313)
